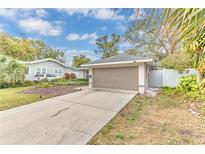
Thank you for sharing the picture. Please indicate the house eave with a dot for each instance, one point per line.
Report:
(43, 60)
(121, 62)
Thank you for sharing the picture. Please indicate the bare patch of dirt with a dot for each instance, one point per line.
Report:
(52, 91)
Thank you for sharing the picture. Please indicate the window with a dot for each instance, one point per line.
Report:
(38, 70)
(58, 71)
(43, 70)
(27, 70)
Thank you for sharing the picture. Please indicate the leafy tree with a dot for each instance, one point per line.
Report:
(15, 72)
(152, 39)
(189, 27)
(133, 52)
(79, 60)
(178, 60)
(27, 49)
(108, 47)
(12, 72)
(16, 47)
(47, 52)
(3, 69)
(197, 52)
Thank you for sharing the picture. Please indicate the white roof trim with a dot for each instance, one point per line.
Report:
(121, 62)
(78, 68)
(43, 60)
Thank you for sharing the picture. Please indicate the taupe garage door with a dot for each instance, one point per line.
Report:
(116, 78)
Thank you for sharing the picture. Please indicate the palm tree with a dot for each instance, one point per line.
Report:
(191, 24)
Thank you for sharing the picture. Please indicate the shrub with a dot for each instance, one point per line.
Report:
(188, 84)
(67, 76)
(72, 76)
(178, 61)
(59, 80)
(44, 85)
(43, 80)
(82, 79)
(28, 83)
(169, 90)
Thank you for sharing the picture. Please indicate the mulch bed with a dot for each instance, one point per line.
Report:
(52, 91)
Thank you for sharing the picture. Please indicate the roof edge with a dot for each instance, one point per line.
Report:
(43, 60)
(120, 62)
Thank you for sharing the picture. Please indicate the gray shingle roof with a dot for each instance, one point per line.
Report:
(119, 58)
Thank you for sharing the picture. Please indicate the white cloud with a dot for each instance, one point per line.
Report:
(8, 13)
(101, 14)
(40, 26)
(17, 14)
(121, 27)
(71, 12)
(89, 36)
(106, 14)
(14, 14)
(74, 36)
(41, 12)
(104, 28)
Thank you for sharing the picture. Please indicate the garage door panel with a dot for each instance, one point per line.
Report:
(117, 78)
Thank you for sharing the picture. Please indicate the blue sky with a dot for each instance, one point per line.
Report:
(71, 30)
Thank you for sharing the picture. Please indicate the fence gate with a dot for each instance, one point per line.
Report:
(167, 77)
(155, 78)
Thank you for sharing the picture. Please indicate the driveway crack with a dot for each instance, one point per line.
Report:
(92, 106)
(57, 113)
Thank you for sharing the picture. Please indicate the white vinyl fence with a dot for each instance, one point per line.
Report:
(167, 77)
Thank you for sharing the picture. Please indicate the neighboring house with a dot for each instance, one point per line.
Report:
(51, 68)
(120, 72)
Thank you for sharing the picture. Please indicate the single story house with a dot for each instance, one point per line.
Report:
(52, 68)
(122, 71)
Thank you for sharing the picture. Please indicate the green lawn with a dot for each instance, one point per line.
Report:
(10, 98)
(164, 119)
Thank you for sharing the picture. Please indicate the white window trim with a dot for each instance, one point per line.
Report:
(54, 70)
(28, 70)
(61, 71)
(58, 68)
(40, 70)
(36, 70)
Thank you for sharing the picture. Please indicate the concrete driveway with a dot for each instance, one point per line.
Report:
(70, 119)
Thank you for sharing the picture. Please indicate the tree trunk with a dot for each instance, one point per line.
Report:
(199, 77)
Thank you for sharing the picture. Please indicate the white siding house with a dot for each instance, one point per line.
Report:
(51, 67)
